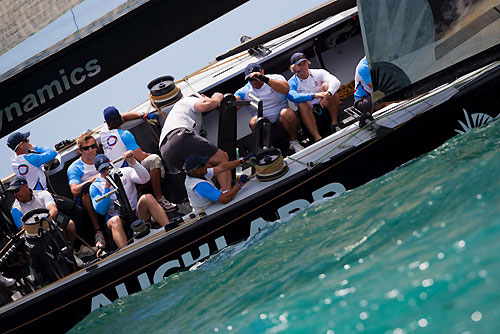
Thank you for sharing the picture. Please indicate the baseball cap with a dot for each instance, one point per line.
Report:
(252, 67)
(17, 183)
(16, 138)
(297, 58)
(194, 161)
(101, 161)
(112, 116)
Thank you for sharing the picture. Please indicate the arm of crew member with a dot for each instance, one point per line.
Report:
(208, 191)
(102, 206)
(76, 188)
(281, 86)
(46, 155)
(206, 104)
(295, 96)
(140, 174)
(228, 196)
(52, 211)
(225, 166)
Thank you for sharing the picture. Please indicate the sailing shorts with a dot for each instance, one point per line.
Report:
(180, 144)
(153, 161)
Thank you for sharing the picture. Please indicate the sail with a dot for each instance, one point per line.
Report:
(51, 52)
(413, 46)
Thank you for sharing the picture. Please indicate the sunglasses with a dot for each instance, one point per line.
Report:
(86, 148)
(15, 191)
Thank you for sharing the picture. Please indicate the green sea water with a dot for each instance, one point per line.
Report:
(414, 251)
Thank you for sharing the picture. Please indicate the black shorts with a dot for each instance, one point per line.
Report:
(180, 144)
(85, 188)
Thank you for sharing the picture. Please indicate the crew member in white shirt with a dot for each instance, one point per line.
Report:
(313, 86)
(272, 89)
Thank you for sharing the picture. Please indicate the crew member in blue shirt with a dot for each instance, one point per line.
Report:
(309, 87)
(81, 174)
(28, 159)
(199, 186)
(116, 141)
(363, 87)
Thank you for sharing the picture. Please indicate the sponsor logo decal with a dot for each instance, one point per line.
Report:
(112, 140)
(23, 169)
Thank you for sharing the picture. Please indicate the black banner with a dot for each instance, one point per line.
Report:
(100, 55)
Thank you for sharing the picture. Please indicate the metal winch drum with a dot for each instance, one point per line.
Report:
(270, 165)
(164, 91)
(35, 222)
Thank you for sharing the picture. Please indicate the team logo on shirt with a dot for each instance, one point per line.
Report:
(112, 140)
(23, 169)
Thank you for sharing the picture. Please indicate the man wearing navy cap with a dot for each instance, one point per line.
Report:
(116, 141)
(199, 186)
(313, 86)
(28, 159)
(272, 89)
(146, 207)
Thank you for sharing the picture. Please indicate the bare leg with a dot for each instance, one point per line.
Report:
(288, 121)
(70, 232)
(332, 103)
(308, 119)
(148, 207)
(116, 226)
(252, 123)
(87, 204)
(224, 178)
(155, 174)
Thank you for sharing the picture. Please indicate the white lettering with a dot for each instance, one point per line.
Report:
(30, 102)
(286, 210)
(99, 301)
(331, 190)
(92, 68)
(49, 90)
(160, 272)
(221, 243)
(144, 281)
(256, 225)
(73, 78)
(121, 290)
(64, 79)
(188, 259)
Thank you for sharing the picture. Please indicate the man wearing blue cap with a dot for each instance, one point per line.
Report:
(199, 186)
(116, 141)
(28, 159)
(309, 87)
(272, 89)
(146, 207)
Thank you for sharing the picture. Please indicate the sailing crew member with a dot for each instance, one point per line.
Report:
(145, 208)
(199, 186)
(363, 87)
(116, 141)
(81, 173)
(309, 87)
(272, 89)
(180, 136)
(28, 159)
(27, 200)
